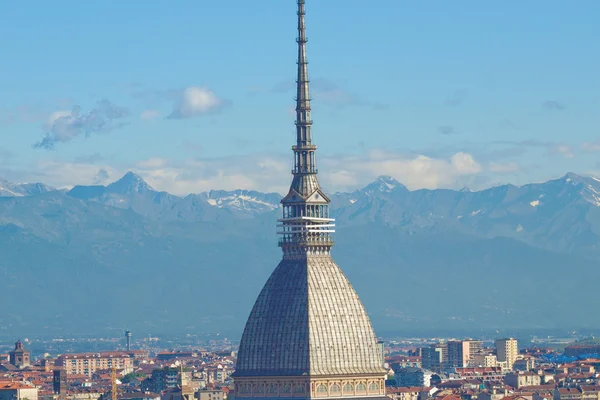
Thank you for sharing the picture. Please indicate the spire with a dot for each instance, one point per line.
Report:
(306, 225)
(303, 97)
(304, 149)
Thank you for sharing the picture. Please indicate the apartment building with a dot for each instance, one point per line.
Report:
(89, 363)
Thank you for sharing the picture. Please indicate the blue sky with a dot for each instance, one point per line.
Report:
(197, 95)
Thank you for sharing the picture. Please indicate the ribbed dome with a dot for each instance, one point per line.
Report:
(308, 320)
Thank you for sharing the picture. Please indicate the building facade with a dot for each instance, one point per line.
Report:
(434, 357)
(507, 350)
(18, 391)
(458, 354)
(89, 363)
(410, 377)
(308, 334)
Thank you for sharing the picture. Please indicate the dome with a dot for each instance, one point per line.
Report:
(308, 320)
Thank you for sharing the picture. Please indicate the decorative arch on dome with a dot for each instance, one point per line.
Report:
(348, 388)
(321, 389)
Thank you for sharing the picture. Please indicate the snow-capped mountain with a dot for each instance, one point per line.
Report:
(516, 239)
(246, 202)
(133, 192)
(8, 189)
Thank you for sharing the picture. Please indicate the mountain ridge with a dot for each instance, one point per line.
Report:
(493, 258)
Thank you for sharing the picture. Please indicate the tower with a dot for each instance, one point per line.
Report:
(59, 382)
(308, 334)
(20, 357)
(128, 338)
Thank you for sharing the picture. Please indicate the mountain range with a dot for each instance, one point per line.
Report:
(97, 258)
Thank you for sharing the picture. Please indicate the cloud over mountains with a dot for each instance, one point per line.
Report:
(64, 126)
(195, 101)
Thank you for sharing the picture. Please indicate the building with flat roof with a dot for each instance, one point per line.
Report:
(89, 363)
(507, 350)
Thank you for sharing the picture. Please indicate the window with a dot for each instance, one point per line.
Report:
(321, 388)
(335, 388)
(348, 388)
(373, 387)
(361, 387)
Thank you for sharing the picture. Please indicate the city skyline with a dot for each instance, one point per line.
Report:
(446, 96)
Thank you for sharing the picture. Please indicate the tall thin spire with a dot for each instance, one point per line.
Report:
(306, 225)
(305, 157)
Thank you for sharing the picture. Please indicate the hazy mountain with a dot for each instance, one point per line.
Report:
(128, 192)
(8, 189)
(106, 257)
(558, 215)
(133, 192)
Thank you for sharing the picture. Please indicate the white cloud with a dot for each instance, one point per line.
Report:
(56, 115)
(152, 163)
(195, 101)
(148, 115)
(416, 172)
(503, 168)
(68, 174)
(562, 149)
(63, 126)
(465, 164)
(271, 172)
(591, 147)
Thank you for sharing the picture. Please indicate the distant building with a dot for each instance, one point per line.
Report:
(410, 393)
(211, 395)
(172, 355)
(139, 396)
(518, 380)
(20, 357)
(17, 391)
(59, 381)
(461, 352)
(89, 363)
(408, 377)
(577, 393)
(579, 350)
(405, 362)
(507, 351)
(162, 379)
(524, 364)
(485, 360)
(433, 357)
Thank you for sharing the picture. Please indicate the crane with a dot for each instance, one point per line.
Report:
(113, 379)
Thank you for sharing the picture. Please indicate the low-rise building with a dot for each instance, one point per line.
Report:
(407, 377)
(17, 391)
(211, 395)
(521, 379)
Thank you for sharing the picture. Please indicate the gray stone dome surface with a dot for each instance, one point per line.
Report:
(308, 320)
